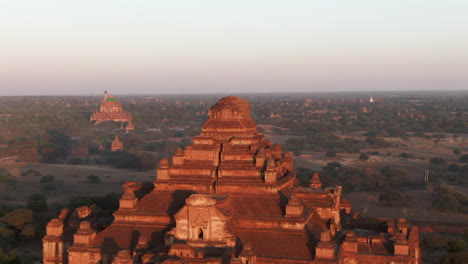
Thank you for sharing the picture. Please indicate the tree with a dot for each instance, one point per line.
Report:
(438, 161)
(9, 258)
(94, 179)
(464, 158)
(454, 167)
(37, 202)
(47, 178)
(457, 245)
(456, 152)
(394, 198)
(363, 157)
(455, 258)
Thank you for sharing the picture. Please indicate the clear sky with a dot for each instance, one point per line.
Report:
(204, 46)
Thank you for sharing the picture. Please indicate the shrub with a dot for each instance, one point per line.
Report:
(464, 158)
(438, 161)
(47, 178)
(454, 167)
(455, 258)
(4, 178)
(50, 187)
(457, 245)
(330, 154)
(405, 155)
(435, 242)
(9, 258)
(395, 198)
(363, 157)
(94, 179)
(37, 202)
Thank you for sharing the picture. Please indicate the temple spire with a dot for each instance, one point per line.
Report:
(315, 182)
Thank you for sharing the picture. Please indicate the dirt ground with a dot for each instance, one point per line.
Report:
(367, 204)
(69, 181)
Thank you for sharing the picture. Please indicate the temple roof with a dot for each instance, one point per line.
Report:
(233, 103)
(229, 117)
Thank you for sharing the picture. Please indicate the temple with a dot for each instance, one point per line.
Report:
(111, 110)
(232, 197)
(117, 145)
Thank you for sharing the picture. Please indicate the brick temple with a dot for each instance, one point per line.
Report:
(231, 197)
(117, 145)
(111, 110)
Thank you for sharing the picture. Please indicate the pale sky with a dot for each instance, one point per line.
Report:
(206, 46)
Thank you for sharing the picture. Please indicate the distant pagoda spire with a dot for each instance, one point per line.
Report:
(315, 182)
(117, 144)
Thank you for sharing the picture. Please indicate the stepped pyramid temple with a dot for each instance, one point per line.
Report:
(231, 197)
(111, 110)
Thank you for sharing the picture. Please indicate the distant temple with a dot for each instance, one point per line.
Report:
(117, 144)
(230, 198)
(111, 110)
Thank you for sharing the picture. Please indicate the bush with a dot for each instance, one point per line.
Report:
(394, 177)
(4, 178)
(464, 158)
(37, 202)
(330, 154)
(50, 187)
(395, 198)
(455, 258)
(123, 160)
(435, 242)
(454, 167)
(405, 155)
(47, 178)
(363, 157)
(94, 179)
(9, 258)
(438, 161)
(457, 245)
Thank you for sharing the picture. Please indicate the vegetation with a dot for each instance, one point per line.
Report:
(108, 202)
(445, 199)
(47, 178)
(395, 198)
(94, 179)
(9, 258)
(37, 202)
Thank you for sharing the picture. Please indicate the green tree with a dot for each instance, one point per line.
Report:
(37, 202)
(9, 258)
(94, 179)
(47, 178)
(464, 158)
(438, 161)
(457, 245)
(363, 157)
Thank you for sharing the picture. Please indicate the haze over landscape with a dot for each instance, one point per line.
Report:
(141, 47)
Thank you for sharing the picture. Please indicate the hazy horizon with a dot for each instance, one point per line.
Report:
(53, 47)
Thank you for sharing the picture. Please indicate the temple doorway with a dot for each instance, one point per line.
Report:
(200, 233)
